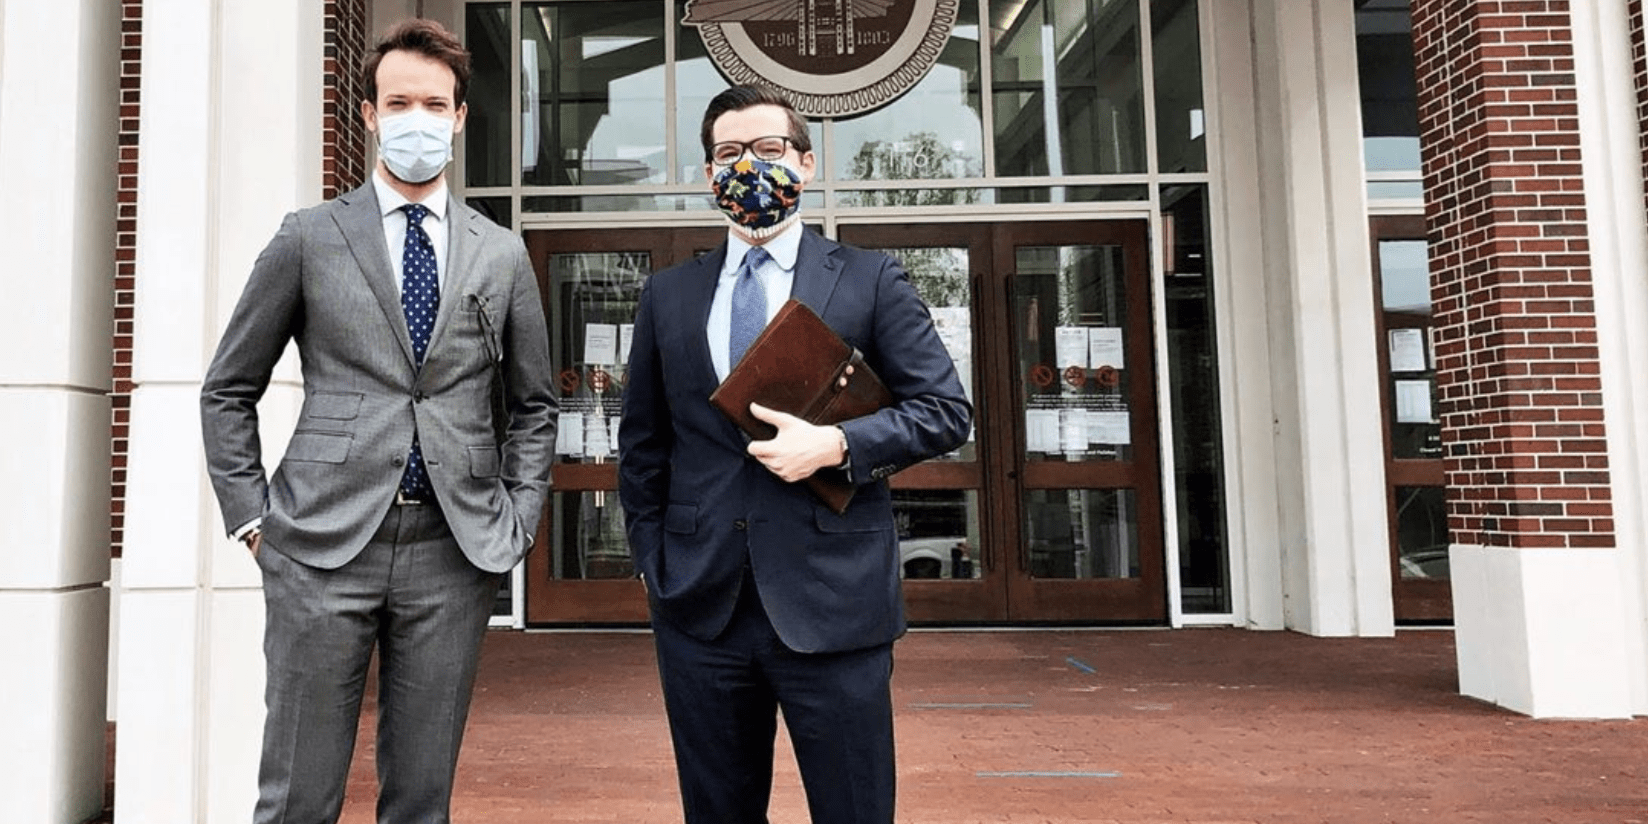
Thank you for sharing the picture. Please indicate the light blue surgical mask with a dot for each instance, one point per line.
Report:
(416, 145)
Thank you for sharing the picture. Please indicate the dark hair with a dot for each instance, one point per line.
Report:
(425, 37)
(739, 98)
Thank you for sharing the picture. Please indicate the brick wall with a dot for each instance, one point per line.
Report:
(1516, 349)
(1639, 72)
(344, 165)
(131, 50)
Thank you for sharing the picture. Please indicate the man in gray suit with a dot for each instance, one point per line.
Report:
(398, 504)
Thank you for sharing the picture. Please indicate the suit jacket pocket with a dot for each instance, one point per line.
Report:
(484, 461)
(856, 519)
(681, 519)
(325, 447)
(333, 406)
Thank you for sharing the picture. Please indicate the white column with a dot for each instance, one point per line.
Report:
(1333, 537)
(230, 140)
(1564, 632)
(1244, 337)
(59, 82)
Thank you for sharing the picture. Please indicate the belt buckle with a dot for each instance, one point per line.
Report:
(402, 499)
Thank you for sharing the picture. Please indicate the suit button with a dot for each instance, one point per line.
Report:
(740, 524)
(398, 460)
(420, 397)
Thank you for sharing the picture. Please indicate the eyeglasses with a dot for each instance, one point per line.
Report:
(769, 148)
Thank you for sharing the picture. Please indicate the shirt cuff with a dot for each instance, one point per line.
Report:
(246, 528)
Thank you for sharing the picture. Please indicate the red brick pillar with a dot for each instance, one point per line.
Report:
(344, 162)
(125, 267)
(1520, 396)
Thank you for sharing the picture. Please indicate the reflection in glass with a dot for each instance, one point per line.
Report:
(496, 209)
(1070, 305)
(1390, 97)
(1068, 87)
(938, 533)
(1405, 294)
(1193, 374)
(932, 132)
(486, 126)
(1421, 532)
(589, 541)
(1082, 533)
(1181, 128)
(594, 92)
(592, 306)
(943, 279)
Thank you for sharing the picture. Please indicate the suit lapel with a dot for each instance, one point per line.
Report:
(700, 294)
(463, 245)
(361, 224)
(817, 270)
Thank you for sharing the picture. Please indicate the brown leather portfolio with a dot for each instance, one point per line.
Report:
(796, 366)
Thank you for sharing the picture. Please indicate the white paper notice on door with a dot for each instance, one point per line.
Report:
(1108, 426)
(1413, 402)
(626, 334)
(596, 444)
(1407, 350)
(1041, 430)
(1104, 347)
(1073, 431)
(1070, 344)
(569, 434)
(601, 344)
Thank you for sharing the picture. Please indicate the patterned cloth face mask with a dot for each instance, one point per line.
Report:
(759, 196)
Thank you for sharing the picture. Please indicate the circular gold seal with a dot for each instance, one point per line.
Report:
(832, 58)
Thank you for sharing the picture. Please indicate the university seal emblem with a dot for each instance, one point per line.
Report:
(832, 58)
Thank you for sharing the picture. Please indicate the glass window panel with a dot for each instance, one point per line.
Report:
(934, 131)
(1404, 278)
(915, 197)
(1396, 189)
(1071, 306)
(1181, 126)
(594, 75)
(943, 278)
(1068, 88)
(1390, 99)
(1082, 533)
(1106, 194)
(618, 203)
(589, 541)
(1421, 532)
(1193, 375)
(938, 533)
(592, 304)
(495, 208)
(486, 126)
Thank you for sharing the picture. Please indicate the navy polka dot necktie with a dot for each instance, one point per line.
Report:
(749, 305)
(420, 299)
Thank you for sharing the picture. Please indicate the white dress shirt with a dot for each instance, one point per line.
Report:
(777, 275)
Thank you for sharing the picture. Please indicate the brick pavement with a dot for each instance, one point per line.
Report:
(1204, 726)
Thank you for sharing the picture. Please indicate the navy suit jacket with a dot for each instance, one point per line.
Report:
(696, 505)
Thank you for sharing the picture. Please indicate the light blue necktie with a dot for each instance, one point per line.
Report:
(749, 305)
(421, 300)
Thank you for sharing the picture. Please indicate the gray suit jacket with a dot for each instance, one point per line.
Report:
(326, 282)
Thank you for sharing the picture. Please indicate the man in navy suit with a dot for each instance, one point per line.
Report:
(762, 598)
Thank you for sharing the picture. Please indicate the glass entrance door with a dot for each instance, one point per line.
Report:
(579, 571)
(1058, 493)
(1050, 512)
